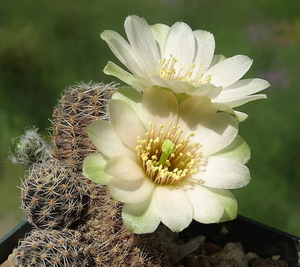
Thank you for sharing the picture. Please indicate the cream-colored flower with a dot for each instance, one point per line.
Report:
(183, 60)
(168, 160)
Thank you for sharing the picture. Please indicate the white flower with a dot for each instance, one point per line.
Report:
(169, 161)
(183, 60)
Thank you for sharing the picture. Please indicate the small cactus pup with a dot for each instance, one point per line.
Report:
(51, 248)
(29, 148)
(50, 197)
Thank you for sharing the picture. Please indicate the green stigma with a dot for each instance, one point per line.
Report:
(168, 148)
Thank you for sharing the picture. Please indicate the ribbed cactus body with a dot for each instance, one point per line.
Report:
(50, 197)
(52, 248)
(78, 108)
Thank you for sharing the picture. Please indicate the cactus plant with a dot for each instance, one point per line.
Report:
(55, 195)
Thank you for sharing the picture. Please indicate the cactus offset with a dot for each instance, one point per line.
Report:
(50, 196)
(51, 248)
(29, 149)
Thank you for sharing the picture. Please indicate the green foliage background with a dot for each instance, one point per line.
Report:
(47, 45)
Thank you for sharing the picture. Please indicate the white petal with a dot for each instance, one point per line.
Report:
(180, 44)
(160, 32)
(177, 86)
(238, 150)
(229, 70)
(143, 43)
(131, 96)
(242, 88)
(243, 100)
(223, 173)
(216, 132)
(114, 70)
(229, 203)
(205, 47)
(193, 110)
(173, 207)
(126, 123)
(93, 168)
(124, 168)
(207, 207)
(141, 218)
(160, 106)
(123, 51)
(105, 139)
(241, 116)
(134, 191)
(216, 59)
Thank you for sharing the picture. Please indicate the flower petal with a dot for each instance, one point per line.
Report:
(229, 203)
(126, 122)
(124, 168)
(240, 116)
(207, 207)
(160, 106)
(114, 70)
(93, 168)
(215, 132)
(243, 100)
(123, 51)
(173, 207)
(216, 59)
(223, 173)
(205, 47)
(193, 110)
(142, 40)
(180, 44)
(131, 96)
(141, 218)
(242, 88)
(105, 139)
(134, 191)
(238, 150)
(229, 70)
(160, 32)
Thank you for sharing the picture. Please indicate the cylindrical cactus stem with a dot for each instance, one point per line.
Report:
(79, 107)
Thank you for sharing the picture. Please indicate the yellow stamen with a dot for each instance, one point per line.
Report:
(166, 70)
(178, 157)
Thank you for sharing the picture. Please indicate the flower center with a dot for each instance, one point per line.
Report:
(166, 157)
(166, 69)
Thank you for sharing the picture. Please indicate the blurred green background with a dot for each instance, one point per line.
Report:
(47, 45)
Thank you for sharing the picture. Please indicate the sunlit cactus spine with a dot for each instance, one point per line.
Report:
(50, 197)
(51, 248)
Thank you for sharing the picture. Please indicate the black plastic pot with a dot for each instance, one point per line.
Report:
(254, 236)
